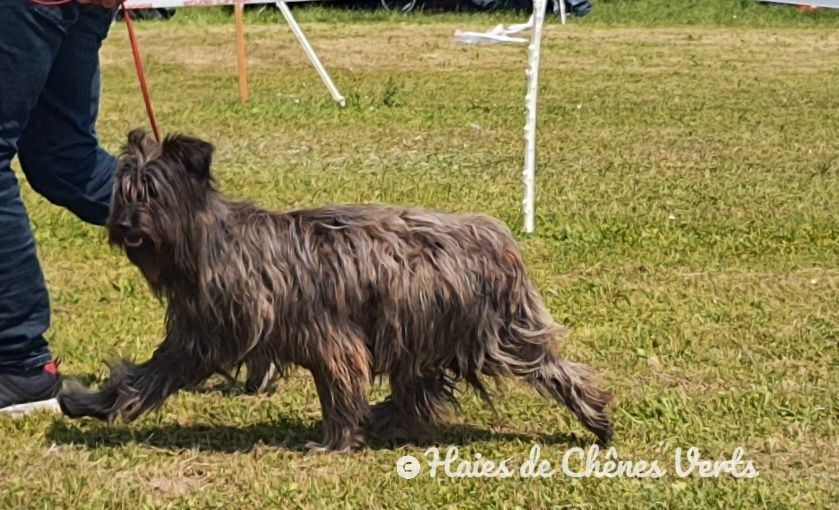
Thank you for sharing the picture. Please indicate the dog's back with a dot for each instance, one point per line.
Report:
(407, 278)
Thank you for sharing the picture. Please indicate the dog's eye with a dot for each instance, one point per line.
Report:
(151, 189)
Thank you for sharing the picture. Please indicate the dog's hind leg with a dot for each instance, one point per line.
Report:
(262, 375)
(341, 372)
(414, 406)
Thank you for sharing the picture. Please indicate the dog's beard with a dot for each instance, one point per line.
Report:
(147, 260)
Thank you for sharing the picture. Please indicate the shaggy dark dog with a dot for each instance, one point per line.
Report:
(348, 292)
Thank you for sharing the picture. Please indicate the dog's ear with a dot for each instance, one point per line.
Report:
(140, 145)
(194, 154)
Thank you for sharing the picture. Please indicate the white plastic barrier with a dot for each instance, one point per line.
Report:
(286, 12)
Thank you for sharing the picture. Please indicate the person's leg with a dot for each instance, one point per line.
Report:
(30, 37)
(59, 150)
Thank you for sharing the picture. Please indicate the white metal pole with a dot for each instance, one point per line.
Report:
(533, 53)
(310, 52)
(562, 14)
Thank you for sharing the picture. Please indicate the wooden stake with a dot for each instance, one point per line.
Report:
(240, 52)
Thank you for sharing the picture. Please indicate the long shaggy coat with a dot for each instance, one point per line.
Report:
(349, 292)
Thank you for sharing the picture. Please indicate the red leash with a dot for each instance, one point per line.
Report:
(135, 51)
(141, 73)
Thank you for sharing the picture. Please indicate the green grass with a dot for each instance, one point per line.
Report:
(688, 232)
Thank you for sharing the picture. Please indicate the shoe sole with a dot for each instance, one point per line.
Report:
(20, 410)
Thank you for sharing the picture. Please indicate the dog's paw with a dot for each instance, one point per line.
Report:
(315, 448)
(325, 447)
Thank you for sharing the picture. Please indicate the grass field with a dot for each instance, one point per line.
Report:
(688, 233)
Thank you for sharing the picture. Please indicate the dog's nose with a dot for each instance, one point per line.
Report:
(124, 223)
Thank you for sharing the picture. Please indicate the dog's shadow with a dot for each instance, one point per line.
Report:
(282, 433)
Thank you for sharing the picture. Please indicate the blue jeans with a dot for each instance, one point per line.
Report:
(49, 100)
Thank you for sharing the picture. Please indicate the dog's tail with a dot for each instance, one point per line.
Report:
(525, 349)
(574, 385)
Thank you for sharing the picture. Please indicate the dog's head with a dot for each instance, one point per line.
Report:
(159, 190)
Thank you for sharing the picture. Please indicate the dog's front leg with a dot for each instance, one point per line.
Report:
(133, 389)
(341, 375)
